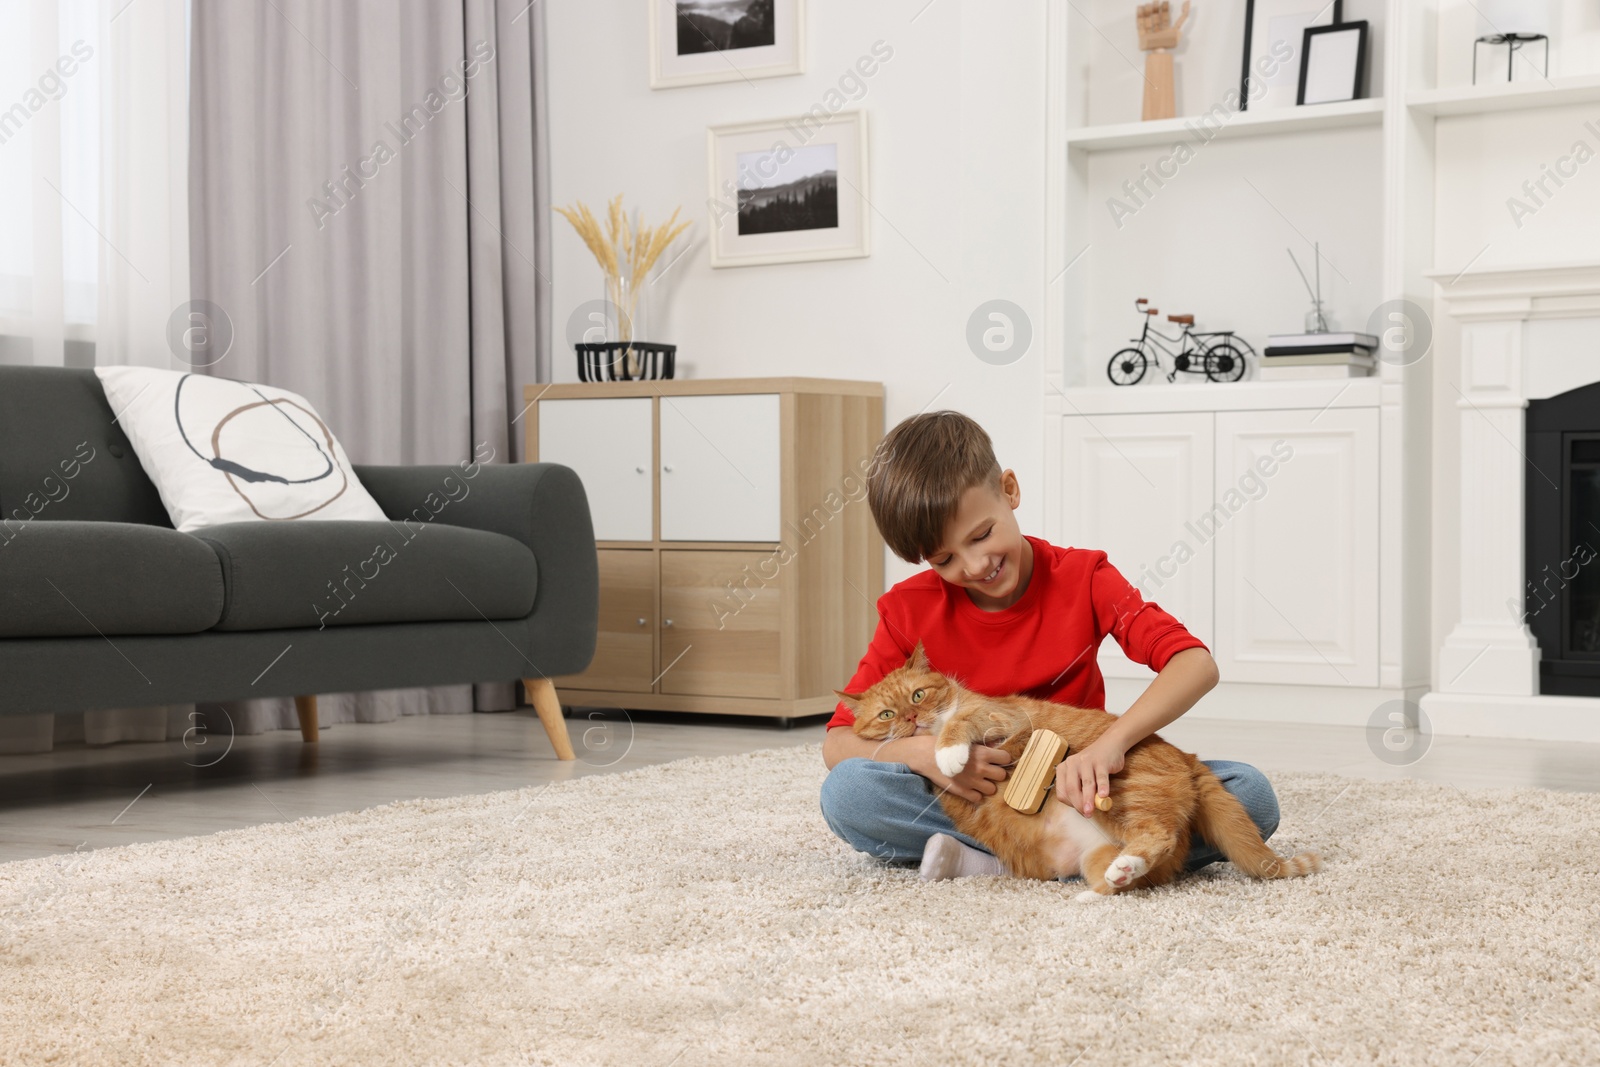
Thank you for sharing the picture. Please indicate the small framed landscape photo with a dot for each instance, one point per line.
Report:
(789, 190)
(696, 42)
(1333, 60)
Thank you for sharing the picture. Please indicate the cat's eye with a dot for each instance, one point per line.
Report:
(886, 713)
(916, 698)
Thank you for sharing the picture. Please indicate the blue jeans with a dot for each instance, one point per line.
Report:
(889, 810)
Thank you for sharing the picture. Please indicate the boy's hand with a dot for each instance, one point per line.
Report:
(986, 768)
(1085, 775)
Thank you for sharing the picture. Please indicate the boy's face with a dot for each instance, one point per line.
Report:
(983, 551)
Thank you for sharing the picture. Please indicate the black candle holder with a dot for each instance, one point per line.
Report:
(1513, 42)
(605, 361)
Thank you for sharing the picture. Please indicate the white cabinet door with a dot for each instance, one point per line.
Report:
(1297, 546)
(608, 442)
(1133, 487)
(719, 468)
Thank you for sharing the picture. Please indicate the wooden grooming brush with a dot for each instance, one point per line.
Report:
(1035, 773)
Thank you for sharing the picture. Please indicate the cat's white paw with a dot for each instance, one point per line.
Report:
(950, 760)
(1124, 869)
(1089, 895)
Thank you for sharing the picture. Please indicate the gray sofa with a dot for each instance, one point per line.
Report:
(103, 604)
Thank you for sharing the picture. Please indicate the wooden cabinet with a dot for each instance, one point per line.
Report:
(739, 564)
(720, 473)
(734, 651)
(624, 656)
(610, 443)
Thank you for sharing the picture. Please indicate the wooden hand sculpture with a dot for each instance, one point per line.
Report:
(1158, 35)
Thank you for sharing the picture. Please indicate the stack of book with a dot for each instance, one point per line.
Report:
(1299, 356)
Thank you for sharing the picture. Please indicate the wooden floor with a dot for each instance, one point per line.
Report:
(82, 797)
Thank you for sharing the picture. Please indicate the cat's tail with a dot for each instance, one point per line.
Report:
(1225, 825)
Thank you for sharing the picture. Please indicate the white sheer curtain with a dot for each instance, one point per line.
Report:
(94, 252)
(50, 63)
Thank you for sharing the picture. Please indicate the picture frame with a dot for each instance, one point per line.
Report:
(703, 42)
(1273, 37)
(789, 190)
(1333, 61)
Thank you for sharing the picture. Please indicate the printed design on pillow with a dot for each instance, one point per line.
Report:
(238, 470)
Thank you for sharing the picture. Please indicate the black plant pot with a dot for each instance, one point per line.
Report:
(604, 361)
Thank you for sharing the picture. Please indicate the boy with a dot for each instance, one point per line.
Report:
(1004, 613)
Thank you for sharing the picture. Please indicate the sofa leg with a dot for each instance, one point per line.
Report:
(542, 695)
(306, 708)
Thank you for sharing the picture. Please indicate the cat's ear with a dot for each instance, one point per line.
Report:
(919, 659)
(851, 700)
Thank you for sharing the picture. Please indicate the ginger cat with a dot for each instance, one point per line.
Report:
(1161, 796)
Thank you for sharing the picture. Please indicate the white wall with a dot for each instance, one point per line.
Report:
(957, 185)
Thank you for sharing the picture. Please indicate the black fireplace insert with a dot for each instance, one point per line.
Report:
(1562, 594)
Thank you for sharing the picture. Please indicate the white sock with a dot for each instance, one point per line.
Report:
(945, 857)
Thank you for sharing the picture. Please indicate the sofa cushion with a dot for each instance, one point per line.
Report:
(283, 575)
(225, 451)
(63, 579)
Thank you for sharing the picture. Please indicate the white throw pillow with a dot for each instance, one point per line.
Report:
(220, 450)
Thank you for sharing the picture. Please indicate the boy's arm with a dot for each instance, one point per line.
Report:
(842, 743)
(1148, 635)
(1187, 676)
(985, 769)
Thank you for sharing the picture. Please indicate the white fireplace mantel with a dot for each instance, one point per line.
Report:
(1488, 681)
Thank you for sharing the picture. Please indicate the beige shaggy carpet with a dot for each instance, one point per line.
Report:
(700, 912)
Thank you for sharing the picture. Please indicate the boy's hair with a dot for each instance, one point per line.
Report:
(919, 474)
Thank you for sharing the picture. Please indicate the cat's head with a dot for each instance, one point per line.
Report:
(906, 700)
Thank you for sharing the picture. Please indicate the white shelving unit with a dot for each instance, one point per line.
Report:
(1503, 96)
(1237, 124)
(1194, 214)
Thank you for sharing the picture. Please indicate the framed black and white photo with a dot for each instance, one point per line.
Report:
(696, 42)
(1334, 58)
(789, 190)
(1274, 31)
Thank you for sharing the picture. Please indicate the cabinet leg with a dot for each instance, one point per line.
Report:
(542, 695)
(306, 709)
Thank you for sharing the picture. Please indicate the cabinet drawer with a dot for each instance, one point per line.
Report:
(715, 642)
(720, 468)
(624, 650)
(609, 443)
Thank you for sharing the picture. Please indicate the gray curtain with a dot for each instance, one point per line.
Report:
(367, 210)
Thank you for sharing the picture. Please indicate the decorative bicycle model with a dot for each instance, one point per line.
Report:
(1217, 354)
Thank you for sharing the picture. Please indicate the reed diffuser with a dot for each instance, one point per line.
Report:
(625, 254)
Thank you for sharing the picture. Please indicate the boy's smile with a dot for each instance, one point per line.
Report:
(983, 551)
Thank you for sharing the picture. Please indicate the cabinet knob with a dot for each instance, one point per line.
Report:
(641, 620)
(666, 623)
(638, 470)
(667, 467)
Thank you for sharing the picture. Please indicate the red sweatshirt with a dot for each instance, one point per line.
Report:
(1042, 646)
